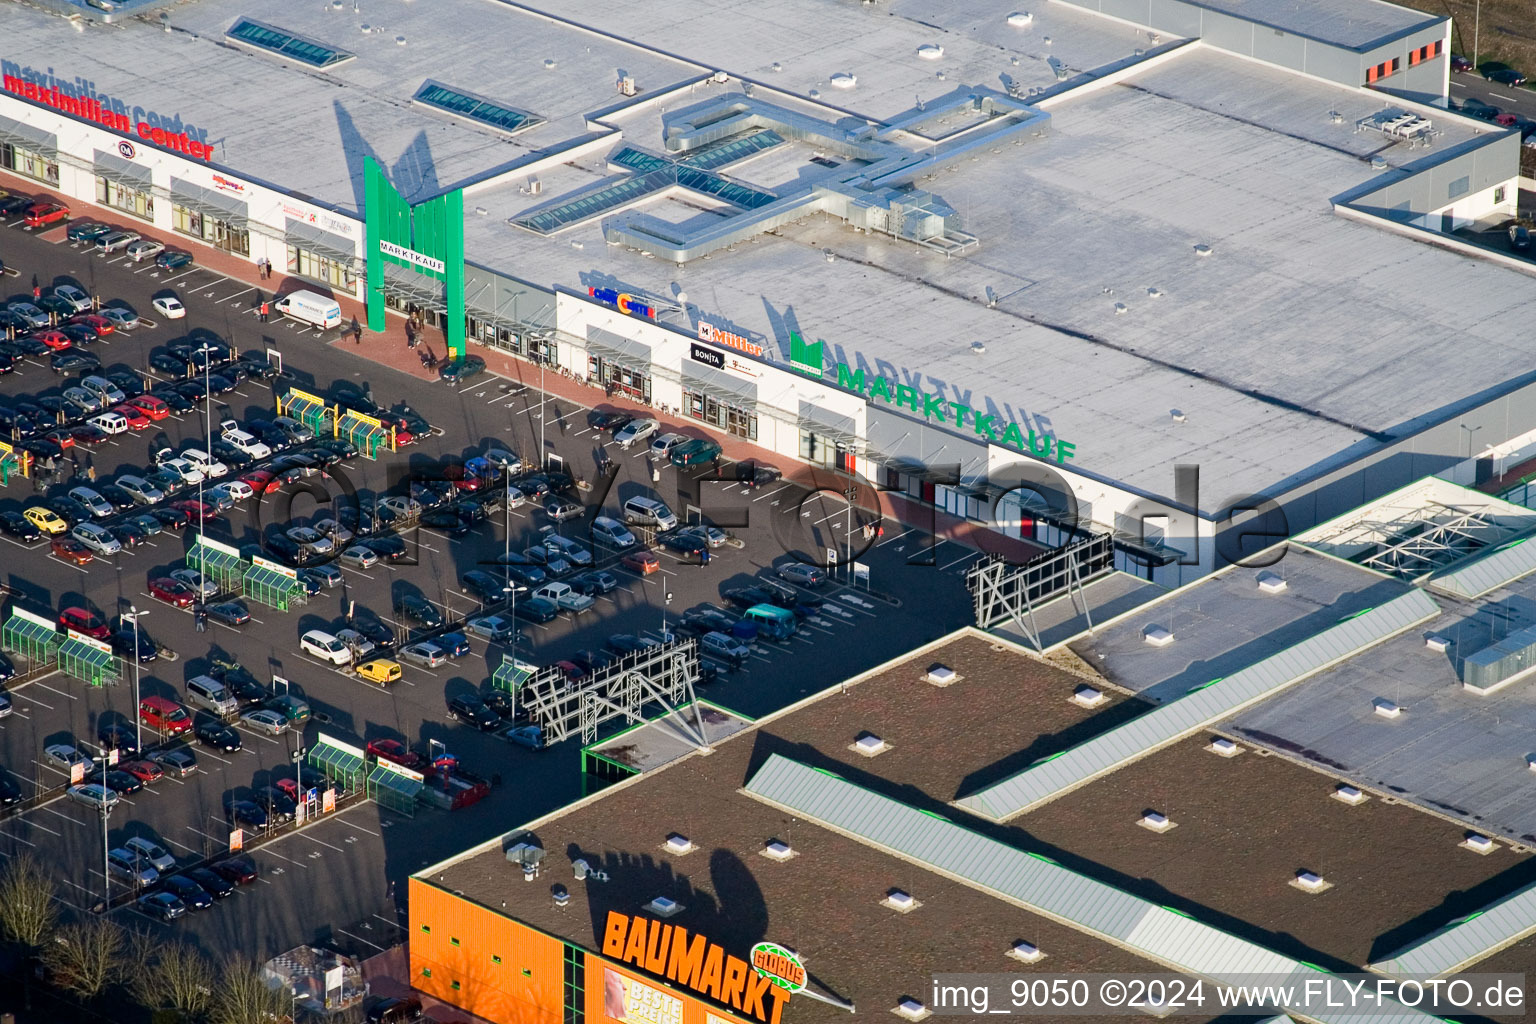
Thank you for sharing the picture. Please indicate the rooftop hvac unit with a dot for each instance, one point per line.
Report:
(661, 906)
(1027, 952)
(627, 86)
(776, 849)
(678, 844)
(528, 856)
(1088, 697)
(1348, 794)
(869, 745)
(1498, 664)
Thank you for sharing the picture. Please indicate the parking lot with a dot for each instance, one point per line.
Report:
(340, 871)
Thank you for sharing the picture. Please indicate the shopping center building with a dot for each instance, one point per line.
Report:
(1103, 266)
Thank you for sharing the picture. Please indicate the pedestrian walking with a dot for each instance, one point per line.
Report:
(704, 556)
(200, 616)
(90, 472)
(357, 332)
(264, 312)
(37, 291)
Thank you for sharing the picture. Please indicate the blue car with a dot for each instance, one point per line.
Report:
(456, 644)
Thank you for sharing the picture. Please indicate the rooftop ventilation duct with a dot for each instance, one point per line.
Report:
(1348, 794)
(678, 844)
(1271, 583)
(899, 901)
(661, 906)
(776, 849)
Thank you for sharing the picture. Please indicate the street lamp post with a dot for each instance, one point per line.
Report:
(138, 720)
(106, 874)
(666, 603)
(202, 520)
(298, 771)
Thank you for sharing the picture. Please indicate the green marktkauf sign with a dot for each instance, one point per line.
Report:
(427, 238)
(806, 357)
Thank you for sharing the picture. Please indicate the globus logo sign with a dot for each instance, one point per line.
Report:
(779, 965)
(626, 303)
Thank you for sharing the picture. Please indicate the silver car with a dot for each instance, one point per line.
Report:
(76, 297)
(100, 507)
(195, 580)
(140, 490)
(312, 541)
(358, 557)
(264, 720)
(30, 313)
(116, 240)
(122, 319)
(85, 399)
(96, 538)
(63, 755)
(153, 852)
(94, 794)
(427, 655)
(131, 868)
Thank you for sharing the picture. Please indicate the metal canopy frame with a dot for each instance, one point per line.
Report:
(1431, 537)
(225, 569)
(664, 675)
(338, 765)
(36, 641)
(511, 674)
(392, 790)
(88, 664)
(181, 196)
(272, 588)
(402, 284)
(307, 410)
(1005, 592)
(366, 436)
(16, 133)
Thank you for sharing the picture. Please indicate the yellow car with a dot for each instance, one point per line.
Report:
(45, 520)
(380, 670)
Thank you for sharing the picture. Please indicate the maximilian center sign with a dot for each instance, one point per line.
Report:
(806, 358)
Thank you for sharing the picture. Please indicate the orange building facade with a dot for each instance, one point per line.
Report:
(508, 972)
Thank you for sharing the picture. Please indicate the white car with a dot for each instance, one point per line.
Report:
(662, 444)
(265, 720)
(100, 507)
(635, 430)
(238, 490)
(402, 507)
(188, 473)
(116, 240)
(247, 443)
(564, 597)
(144, 249)
(314, 542)
(210, 467)
(325, 647)
(140, 490)
(427, 655)
(109, 423)
(169, 306)
(194, 579)
(76, 297)
(152, 852)
(96, 538)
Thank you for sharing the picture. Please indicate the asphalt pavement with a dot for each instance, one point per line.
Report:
(342, 873)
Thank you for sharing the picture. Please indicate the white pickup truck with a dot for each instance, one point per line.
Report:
(564, 597)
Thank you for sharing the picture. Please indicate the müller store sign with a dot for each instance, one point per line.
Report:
(78, 97)
(758, 989)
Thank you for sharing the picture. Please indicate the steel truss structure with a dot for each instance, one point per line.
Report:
(664, 675)
(1005, 592)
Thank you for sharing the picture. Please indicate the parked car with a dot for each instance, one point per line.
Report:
(192, 895)
(695, 452)
(210, 732)
(564, 596)
(94, 794)
(419, 609)
(175, 761)
(635, 430)
(802, 574)
(153, 852)
(471, 710)
(381, 671)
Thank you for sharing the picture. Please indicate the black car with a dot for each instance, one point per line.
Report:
(167, 365)
(189, 892)
(16, 204)
(14, 524)
(502, 702)
(257, 365)
(534, 486)
(432, 493)
(418, 609)
(627, 643)
(231, 613)
(124, 641)
(708, 620)
(471, 710)
(610, 420)
(43, 447)
(129, 533)
(324, 457)
(116, 781)
(387, 546)
(303, 462)
(356, 401)
(276, 803)
(284, 549)
(174, 400)
(219, 384)
(379, 634)
(247, 690)
(119, 498)
(525, 576)
(213, 733)
(192, 390)
(746, 597)
(10, 792)
(244, 814)
(30, 346)
(449, 520)
(171, 518)
(70, 361)
(598, 581)
(239, 870)
(233, 457)
(78, 334)
(483, 585)
(70, 510)
(683, 541)
(211, 882)
(128, 382)
(336, 446)
(536, 609)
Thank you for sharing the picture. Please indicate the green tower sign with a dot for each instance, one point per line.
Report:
(427, 238)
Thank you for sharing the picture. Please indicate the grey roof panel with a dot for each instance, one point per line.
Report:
(1202, 706)
(1468, 940)
(1030, 880)
(1504, 564)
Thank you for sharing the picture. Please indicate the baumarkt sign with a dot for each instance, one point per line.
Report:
(668, 951)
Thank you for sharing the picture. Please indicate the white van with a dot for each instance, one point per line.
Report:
(208, 692)
(110, 422)
(311, 308)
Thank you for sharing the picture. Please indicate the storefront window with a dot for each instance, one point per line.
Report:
(215, 232)
(817, 450)
(718, 414)
(128, 200)
(635, 384)
(28, 163)
(321, 268)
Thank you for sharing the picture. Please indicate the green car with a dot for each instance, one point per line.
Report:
(289, 706)
(86, 231)
(56, 304)
(696, 452)
(173, 260)
(461, 369)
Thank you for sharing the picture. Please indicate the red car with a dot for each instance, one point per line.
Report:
(150, 406)
(261, 481)
(172, 592)
(643, 562)
(144, 771)
(289, 788)
(463, 479)
(85, 433)
(61, 437)
(56, 340)
(82, 621)
(46, 213)
(399, 753)
(71, 551)
(195, 509)
(133, 414)
(96, 322)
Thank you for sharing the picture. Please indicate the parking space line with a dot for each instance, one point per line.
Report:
(360, 828)
(322, 842)
(359, 938)
(61, 693)
(56, 814)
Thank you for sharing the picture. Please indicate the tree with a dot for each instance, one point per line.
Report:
(86, 957)
(28, 909)
(175, 976)
(244, 996)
